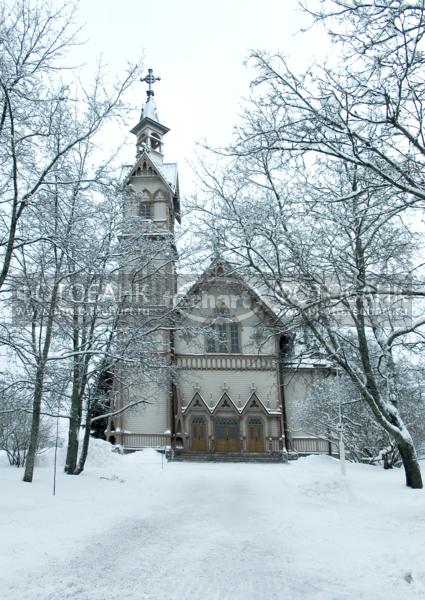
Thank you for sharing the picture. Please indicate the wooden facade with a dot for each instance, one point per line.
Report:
(225, 388)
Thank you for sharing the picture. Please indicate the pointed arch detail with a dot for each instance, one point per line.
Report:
(197, 402)
(254, 404)
(224, 403)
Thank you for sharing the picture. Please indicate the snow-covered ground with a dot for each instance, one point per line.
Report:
(129, 529)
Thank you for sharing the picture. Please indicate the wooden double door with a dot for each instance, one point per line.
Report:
(255, 435)
(227, 434)
(199, 434)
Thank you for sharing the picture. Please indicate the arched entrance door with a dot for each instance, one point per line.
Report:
(255, 434)
(227, 434)
(199, 434)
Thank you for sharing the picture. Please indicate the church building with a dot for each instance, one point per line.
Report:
(224, 382)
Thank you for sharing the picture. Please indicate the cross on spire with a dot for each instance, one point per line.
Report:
(150, 80)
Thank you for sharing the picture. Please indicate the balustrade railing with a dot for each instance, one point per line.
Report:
(145, 440)
(310, 445)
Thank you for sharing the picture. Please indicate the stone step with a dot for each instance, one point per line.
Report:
(181, 456)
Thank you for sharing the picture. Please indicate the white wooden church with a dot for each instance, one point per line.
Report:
(226, 387)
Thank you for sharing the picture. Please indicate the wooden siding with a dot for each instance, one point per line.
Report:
(151, 417)
(237, 383)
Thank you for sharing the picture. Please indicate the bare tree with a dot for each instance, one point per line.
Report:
(320, 190)
(48, 127)
(364, 106)
(336, 402)
(44, 270)
(337, 263)
(45, 112)
(15, 421)
(79, 305)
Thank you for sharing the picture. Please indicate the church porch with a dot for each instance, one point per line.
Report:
(230, 433)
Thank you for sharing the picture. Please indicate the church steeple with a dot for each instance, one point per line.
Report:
(149, 131)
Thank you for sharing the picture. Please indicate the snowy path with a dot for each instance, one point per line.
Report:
(210, 532)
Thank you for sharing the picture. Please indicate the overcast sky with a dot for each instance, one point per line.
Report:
(198, 48)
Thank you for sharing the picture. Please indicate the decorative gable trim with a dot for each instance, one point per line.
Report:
(224, 403)
(254, 403)
(146, 167)
(197, 402)
(220, 269)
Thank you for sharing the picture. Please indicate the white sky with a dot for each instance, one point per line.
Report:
(198, 49)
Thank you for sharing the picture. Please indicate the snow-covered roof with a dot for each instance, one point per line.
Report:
(168, 171)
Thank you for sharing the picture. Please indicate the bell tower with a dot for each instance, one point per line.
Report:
(149, 131)
(152, 181)
(151, 206)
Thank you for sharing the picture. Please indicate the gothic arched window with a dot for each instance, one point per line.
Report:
(234, 337)
(145, 210)
(223, 337)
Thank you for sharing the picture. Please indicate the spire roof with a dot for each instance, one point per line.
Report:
(149, 112)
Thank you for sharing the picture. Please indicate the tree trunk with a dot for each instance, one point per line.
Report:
(35, 425)
(39, 382)
(411, 465)
(85, 445)
(74, 422)
(75, 415)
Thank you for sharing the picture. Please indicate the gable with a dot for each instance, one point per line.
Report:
(150, 173)
(222, 314)
(223, 292)
(144, 168)
(147, 167)
(226, 404)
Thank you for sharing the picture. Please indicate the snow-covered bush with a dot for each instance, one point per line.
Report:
(15, 429)
(364, 438)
